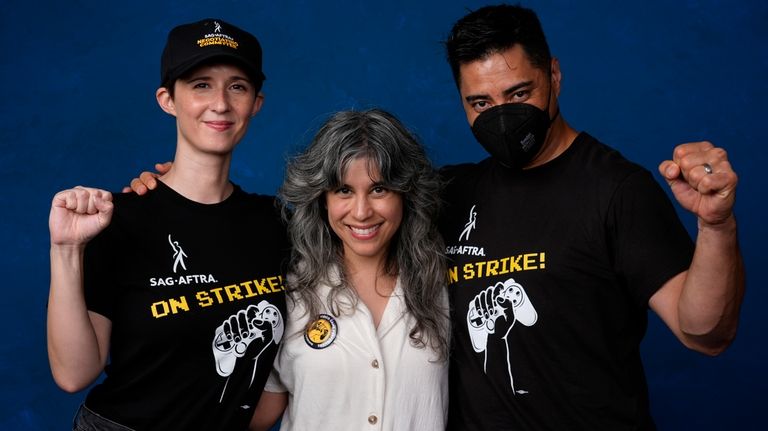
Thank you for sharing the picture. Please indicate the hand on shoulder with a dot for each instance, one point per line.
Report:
(147, 180)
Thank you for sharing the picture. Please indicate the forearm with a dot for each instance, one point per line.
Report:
(268, 411)
(73, 347)
(710, 300)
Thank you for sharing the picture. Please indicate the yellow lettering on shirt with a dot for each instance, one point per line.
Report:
(490, 268)
(217, 295)
(171, 306)
(233, 292)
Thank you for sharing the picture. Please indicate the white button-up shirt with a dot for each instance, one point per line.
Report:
(367, 379)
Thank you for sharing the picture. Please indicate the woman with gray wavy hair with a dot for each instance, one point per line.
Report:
(367, 333)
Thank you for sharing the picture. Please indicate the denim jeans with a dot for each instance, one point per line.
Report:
(87, 420)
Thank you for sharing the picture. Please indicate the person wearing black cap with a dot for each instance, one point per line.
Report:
(558, 247)
(177, 294)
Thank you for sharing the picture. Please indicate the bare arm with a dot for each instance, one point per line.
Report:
(268, 411)
(78, 340)
(701, 306)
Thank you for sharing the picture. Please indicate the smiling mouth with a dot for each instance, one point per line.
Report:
(364, 232)
(219, 125)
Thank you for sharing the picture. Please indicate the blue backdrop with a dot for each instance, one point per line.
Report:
(79, 77)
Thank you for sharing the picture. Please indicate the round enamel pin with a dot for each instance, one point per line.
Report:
(321, 332)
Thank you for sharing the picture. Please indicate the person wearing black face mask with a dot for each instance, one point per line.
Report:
(513, 133)
(558, 245)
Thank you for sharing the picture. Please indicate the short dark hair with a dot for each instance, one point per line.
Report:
(494, 29)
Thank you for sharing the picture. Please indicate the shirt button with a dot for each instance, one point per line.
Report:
(372, 419)
(375, 363)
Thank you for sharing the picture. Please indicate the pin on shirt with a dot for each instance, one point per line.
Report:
(322, 332)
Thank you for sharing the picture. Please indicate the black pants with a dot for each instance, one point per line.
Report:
(87, 420)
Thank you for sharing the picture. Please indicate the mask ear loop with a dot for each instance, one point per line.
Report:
(549, 103)
(557, 114)
(557, 111)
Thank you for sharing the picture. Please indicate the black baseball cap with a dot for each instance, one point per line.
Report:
(189, 45)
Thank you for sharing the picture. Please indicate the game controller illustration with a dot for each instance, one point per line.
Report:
(507, 300)
(261, 324)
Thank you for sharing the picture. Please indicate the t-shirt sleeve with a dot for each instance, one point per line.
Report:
(273, 383)
(651, 245)
(98, 271)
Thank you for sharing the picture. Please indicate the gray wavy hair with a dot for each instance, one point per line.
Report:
(416, 249)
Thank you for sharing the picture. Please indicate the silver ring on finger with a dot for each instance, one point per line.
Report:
(707, 168)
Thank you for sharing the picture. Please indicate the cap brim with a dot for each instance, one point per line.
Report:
(251, 69)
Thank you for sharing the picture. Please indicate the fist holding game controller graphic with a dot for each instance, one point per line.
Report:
(507, 300)
(247, 333)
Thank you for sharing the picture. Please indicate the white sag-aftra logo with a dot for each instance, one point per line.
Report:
(470, 225)
(178, 254)
(179, 258)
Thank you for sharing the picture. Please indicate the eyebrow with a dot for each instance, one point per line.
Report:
(240, 78)
(208, 78)
(513, 89)
(375, 184)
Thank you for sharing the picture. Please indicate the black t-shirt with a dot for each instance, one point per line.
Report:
(195, 296)
(576, 248)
